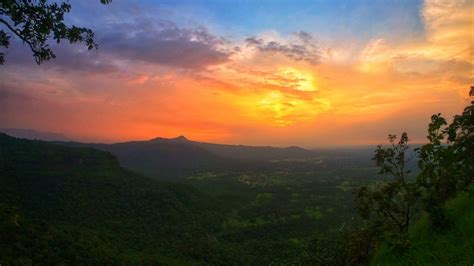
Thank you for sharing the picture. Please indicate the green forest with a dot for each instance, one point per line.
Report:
(63, 204)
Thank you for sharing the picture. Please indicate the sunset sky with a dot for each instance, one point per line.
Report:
(309, 73)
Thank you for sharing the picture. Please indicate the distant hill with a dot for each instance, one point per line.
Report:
(164, 157)
(256, 153)
(34, 134)
(71, 205)
(179, 157)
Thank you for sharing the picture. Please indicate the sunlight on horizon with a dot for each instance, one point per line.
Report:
(348, 75)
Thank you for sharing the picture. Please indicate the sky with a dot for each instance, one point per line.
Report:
(310, 73)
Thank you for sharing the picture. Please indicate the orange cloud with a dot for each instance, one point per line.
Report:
(271, 90)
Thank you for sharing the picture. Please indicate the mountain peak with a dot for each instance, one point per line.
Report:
(180, 138)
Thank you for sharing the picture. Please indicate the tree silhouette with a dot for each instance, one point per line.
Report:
(392, 203)
(35, 22)
(446, 162)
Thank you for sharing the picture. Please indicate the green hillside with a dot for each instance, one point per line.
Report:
(77, 205)
(454, 246)
(62, 204)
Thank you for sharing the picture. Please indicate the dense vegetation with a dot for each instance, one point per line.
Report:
(77, 205)
(403, 212)
(431, 246)
(446, 165)
(70, 203)
(54, 196)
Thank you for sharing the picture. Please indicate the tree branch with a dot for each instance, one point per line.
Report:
(21, 37)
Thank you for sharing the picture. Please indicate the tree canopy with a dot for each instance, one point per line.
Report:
(37, 22)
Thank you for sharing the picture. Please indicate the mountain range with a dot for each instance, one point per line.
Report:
(179, 157)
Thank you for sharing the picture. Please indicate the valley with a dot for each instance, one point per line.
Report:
(262, 212)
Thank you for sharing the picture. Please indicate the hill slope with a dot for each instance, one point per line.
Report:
(180, 157)
(166, 158)
(34, 134)
(454, 246)
(77, 205)
(256, 153)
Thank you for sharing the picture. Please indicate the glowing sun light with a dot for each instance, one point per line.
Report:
(298, 79)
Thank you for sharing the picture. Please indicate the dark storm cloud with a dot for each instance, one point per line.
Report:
(155, 42)
(69, 57)
(302, 50)
(166, 44)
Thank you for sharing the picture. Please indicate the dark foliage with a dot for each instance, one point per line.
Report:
(36, 22)
(81, 198)
(63, 205)
(393, 203)
(446, 162)
(350, 246)
(446, 168)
